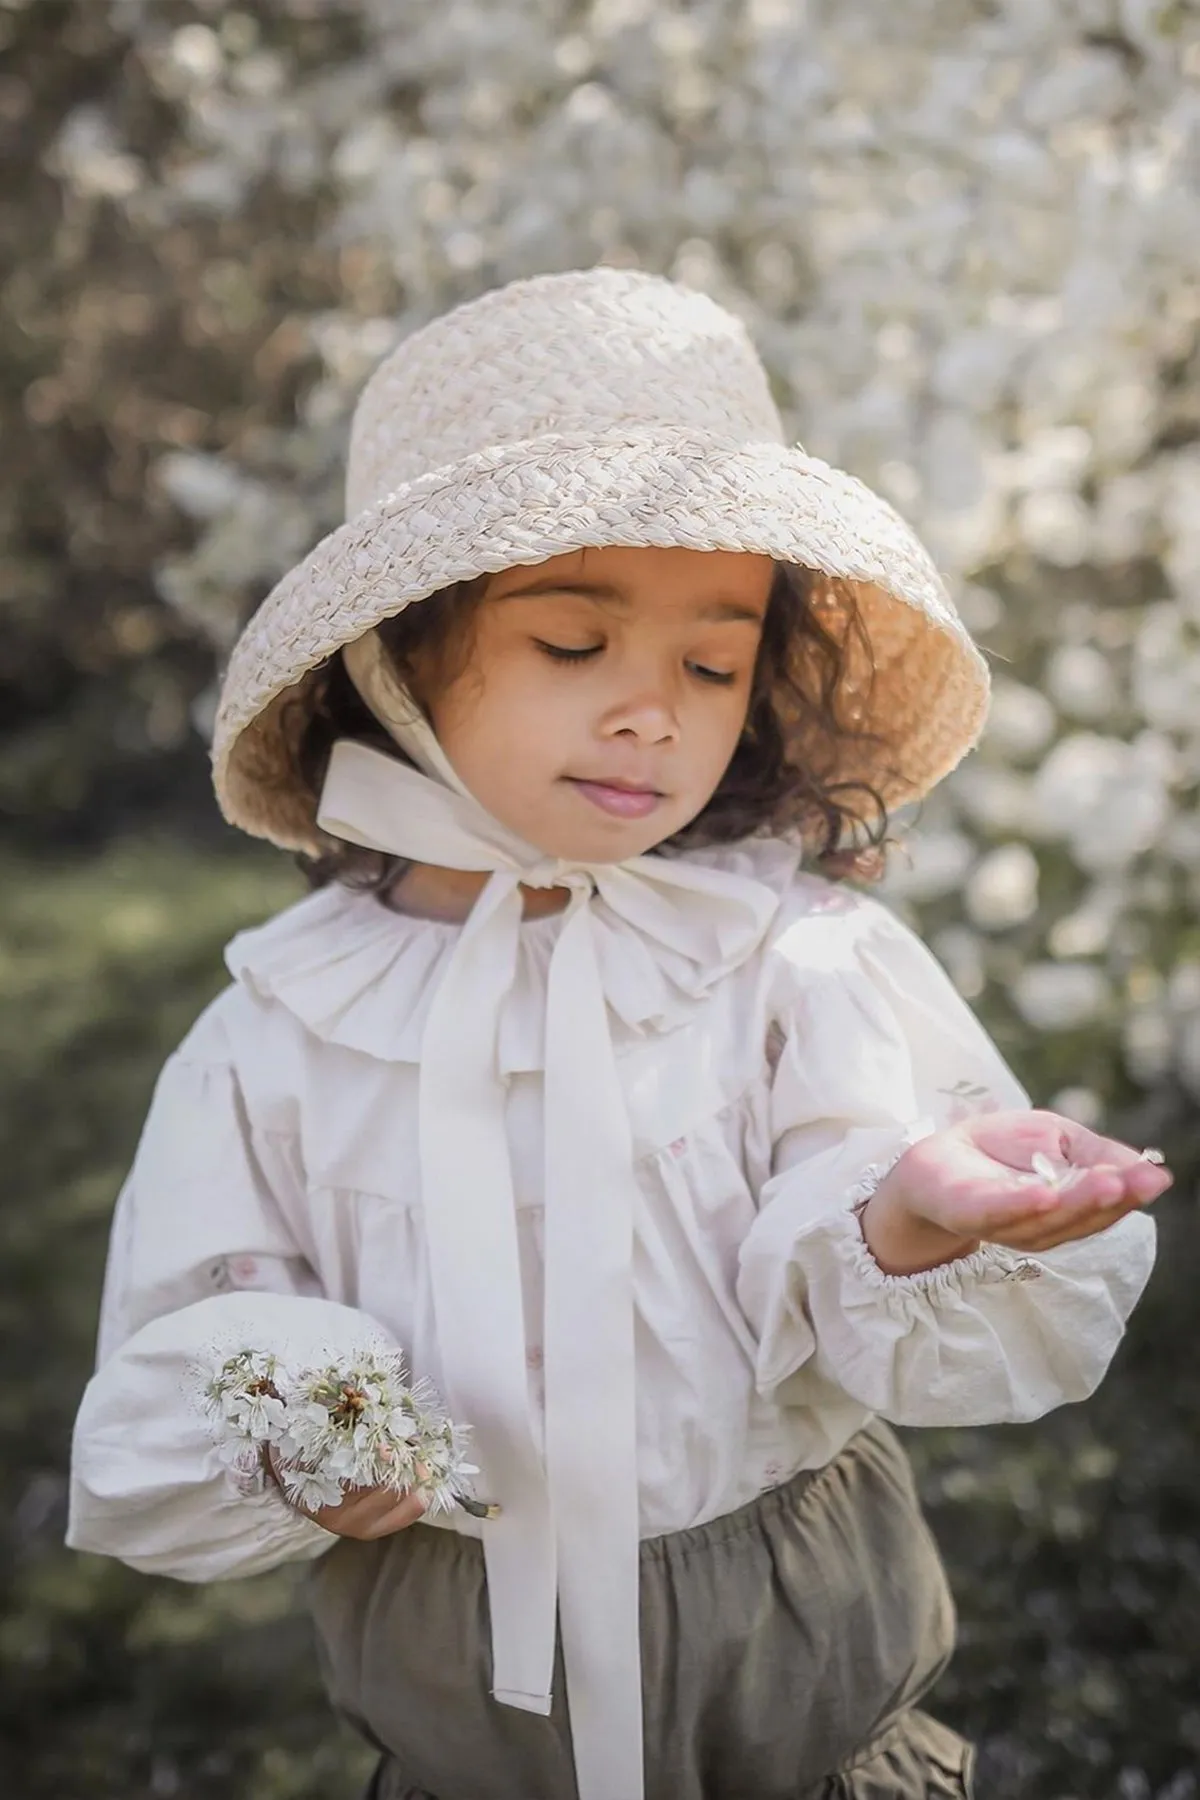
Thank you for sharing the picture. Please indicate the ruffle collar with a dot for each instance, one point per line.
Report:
(358, 975)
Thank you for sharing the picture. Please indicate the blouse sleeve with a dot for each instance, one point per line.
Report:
(878, 1050)
(201, 1263)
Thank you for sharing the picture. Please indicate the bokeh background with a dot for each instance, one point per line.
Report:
(964, 233)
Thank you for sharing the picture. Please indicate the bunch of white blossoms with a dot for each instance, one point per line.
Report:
(354, 1423)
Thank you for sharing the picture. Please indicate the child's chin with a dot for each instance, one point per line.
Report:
(607, 840)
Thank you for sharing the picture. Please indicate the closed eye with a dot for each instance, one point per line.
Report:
(566, 654)
(561, 652)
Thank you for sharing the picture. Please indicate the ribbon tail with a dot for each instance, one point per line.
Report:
(476, 1279)
(591, 1442)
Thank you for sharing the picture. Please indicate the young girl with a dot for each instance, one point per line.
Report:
(678, 1168)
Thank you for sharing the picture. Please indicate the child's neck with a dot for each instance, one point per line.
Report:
(446, 896)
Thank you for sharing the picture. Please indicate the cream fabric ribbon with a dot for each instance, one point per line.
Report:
(567, 1536)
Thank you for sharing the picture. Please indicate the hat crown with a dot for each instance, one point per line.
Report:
(583, 354)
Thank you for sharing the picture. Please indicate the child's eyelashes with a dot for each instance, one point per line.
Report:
(564, 653)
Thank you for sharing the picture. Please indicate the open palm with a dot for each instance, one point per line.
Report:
(1029, 1180)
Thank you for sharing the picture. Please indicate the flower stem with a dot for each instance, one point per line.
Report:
(478, 1509)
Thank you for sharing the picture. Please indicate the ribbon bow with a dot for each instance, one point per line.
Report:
(566, 1542)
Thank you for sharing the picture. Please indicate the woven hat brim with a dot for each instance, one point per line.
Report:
(523, 503)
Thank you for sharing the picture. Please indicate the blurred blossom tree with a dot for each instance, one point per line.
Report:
(963, 233)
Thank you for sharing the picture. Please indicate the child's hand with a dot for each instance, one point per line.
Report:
(977, 1182)
(364, 1513)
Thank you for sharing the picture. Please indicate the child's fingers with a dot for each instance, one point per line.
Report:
(398, 1517)
(378, 1512)
(1145, 1181)
(368, 1513)
(1138, 1182)
(1088, 1149)
(1030, 1205)
(1144, 1174)
(1048, 1234)
(1022, 1204)
(375, 1502)
(1020, 1140)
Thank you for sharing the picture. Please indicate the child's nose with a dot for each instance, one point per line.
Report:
(649, 716)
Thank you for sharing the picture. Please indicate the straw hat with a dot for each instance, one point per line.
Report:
(601, 407)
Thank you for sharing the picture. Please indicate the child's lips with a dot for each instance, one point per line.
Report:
(617, 799)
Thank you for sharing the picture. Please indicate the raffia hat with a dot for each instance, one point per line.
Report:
(597, 408)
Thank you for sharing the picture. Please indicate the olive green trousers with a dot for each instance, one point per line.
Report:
(784, 1649)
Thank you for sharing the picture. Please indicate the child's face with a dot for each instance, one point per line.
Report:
(605, 695)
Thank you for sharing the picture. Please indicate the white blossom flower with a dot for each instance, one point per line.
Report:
(260, 1416)
(1056, 526)
(1091, 927)
(244, 1462)
(1108, 799)
(1082, 1104)
(311, 1488)
(1061, 996)
(1166, 671)
(244, 1394)
(933, 863)
(994, 799)
(1003, 888)
(204, 487)
(1021, 721)
(1082, 681)
(356, 1423)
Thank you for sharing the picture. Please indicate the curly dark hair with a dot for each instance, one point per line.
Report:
(812, 679)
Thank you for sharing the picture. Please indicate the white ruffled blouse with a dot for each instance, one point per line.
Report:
(276, 1189)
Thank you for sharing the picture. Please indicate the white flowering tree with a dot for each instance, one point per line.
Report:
(964, 236)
